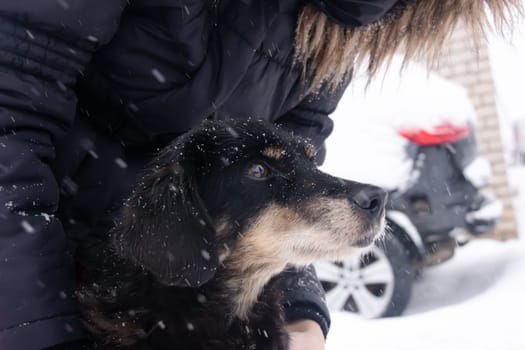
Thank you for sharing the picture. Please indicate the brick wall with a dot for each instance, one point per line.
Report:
(470, 67)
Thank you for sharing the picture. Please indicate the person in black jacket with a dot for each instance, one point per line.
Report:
(89, 90)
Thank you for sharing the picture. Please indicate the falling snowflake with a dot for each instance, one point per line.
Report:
(133, 107)
(40, 284)
(63, 3)
(68, 328)
(69, 186)
(27, 226)
(30, 35)
(205, 254)
(121, 163)
(232, 132)
(61, 85)
(158, 75)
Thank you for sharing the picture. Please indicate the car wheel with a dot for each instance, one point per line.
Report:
(374, 284)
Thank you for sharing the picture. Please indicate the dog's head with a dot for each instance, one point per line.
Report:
(243, 187)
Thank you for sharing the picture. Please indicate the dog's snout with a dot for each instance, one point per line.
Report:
(372, 200)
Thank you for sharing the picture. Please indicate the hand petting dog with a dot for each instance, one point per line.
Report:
(305, 335)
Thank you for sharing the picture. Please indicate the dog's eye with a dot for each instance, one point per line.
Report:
(258, 171)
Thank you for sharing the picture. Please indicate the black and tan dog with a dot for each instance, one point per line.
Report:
(220, 212)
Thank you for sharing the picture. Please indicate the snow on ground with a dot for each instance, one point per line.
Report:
(474, 301)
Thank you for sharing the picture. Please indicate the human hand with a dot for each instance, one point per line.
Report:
(305, 335)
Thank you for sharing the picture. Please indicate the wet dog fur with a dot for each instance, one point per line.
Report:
(193, 256)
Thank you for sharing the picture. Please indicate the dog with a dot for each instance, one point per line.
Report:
(218, 214)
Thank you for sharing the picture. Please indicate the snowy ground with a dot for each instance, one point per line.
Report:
(474, 301)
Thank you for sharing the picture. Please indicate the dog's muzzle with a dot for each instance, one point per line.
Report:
(371, 201)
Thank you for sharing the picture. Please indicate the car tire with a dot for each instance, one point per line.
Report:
(375, 284)
(404, 274)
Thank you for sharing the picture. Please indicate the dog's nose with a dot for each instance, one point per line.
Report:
(372, 200)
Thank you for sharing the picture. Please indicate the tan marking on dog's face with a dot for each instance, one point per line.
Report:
(222, 227)
(310, 151)
(274, 152)
(320, 229)
(223, 252)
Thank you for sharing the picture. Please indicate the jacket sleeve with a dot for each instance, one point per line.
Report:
(310, 118)
(175, 57)
(43, 47)
(304, 297)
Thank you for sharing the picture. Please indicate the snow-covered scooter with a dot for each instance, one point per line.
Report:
(440, 207)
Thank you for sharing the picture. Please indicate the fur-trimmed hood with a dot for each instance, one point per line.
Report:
(417, 29)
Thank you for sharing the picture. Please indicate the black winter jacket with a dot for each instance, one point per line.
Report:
(149, 70)
(170, 66)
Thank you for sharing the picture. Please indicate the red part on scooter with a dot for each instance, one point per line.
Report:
(443, 133)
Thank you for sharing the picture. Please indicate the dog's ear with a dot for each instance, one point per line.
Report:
(164, 226)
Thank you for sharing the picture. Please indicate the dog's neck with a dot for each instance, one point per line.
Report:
(244, 285)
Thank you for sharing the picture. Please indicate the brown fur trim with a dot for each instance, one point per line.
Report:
(417, 29)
